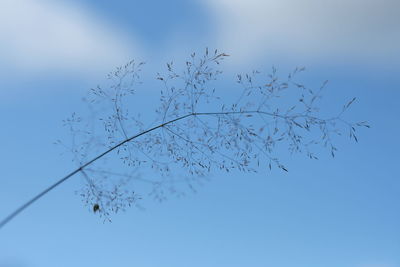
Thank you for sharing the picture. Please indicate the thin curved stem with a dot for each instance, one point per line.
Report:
(48, 189)
(81, 168)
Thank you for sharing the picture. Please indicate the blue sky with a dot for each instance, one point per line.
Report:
(331, 212)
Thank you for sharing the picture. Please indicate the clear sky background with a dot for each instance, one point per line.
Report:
(341, 212)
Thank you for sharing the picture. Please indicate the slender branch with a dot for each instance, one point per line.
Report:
(44, 192)
(80, 169)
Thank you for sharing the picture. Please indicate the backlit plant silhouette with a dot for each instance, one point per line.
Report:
(195, 131)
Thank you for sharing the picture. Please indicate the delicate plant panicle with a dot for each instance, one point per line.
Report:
(197, 131)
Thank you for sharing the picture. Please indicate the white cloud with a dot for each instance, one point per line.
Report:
(39, 35)
(308, 29)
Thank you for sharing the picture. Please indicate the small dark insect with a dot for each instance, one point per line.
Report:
(96, 207)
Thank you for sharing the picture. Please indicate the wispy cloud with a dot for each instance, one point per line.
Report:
(38, 35)
(311, 29)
